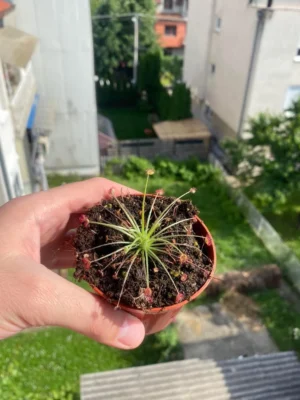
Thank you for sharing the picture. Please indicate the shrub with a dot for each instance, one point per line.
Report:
(135, 167)
(180, 106)
(171, 68)
(268, 162)
(191, 171)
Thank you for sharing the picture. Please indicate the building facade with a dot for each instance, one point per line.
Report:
(171, 25)
(19, 146)
(242, 58)
(64, 68)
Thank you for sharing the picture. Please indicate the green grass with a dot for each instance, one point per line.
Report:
(287, 223)
(129, 123)
(46, 361)
(281, 319)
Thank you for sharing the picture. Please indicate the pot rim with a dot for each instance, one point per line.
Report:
(173, 307)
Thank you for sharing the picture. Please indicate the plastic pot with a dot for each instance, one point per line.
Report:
(157, 319)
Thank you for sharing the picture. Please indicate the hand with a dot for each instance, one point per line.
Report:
(33, 231)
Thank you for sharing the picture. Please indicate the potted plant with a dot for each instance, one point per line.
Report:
(146, 254)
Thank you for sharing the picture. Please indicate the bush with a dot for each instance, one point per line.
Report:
(180, 106)
(149, 78)
(135, 167)
(176, 106)
(267, 163)
(192, 171)
(171, 68)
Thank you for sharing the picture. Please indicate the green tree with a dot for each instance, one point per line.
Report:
(114, 37)
(269, 162)
(171, 69)
(95, 4)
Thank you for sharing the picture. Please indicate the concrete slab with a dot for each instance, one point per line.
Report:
(222, 331)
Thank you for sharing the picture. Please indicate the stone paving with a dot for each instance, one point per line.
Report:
(223, 330)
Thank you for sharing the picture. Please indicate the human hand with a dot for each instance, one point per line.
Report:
(32, 235)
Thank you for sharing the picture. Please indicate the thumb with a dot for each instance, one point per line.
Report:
(50, 300)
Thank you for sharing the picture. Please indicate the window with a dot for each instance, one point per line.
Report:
(297, 56)
(170, 30)
(218, 24)
(213, 68)
(168, 4)
(292, 94)
(179, 3)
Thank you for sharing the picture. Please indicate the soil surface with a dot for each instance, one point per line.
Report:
(189, 269)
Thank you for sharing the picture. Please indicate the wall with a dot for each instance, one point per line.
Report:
(276, 69)
(64, 69)
(197, 42)
(231, 50)
(168, 41)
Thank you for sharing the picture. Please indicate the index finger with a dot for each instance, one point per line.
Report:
(50, 211)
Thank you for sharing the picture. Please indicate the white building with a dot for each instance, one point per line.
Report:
(18, 145)
(242, 57)
(64, 68)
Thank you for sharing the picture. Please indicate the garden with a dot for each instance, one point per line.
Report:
(46, 364)
(267, 165)
(134, 100)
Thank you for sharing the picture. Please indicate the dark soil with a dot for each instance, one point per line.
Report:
(189, 272)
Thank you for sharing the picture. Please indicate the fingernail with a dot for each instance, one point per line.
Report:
(131, 333)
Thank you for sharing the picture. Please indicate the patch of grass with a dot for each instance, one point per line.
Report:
(287, 223)
(55, 180)
(129, 123)
(48, 363)
(281, 319)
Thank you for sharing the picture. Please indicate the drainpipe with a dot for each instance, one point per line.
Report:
(261, 15)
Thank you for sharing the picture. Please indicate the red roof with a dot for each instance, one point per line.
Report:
(5, 7)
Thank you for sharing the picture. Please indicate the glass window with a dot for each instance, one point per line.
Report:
(170, 30)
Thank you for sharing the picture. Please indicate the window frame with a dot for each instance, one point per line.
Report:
(171, 34)
(171, 3)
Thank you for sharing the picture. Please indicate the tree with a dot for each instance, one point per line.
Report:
(114, 37)
(269, 162)
(95, 4)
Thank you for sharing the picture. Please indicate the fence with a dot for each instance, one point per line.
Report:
(150, 148)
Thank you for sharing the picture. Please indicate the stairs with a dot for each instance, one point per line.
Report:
(273, 376)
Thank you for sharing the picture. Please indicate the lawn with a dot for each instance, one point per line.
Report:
(288, 224)
(47, 364)
(129, 123)
(281, 319)
(48, 361)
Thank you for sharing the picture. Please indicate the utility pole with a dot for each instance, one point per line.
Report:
(135, 21)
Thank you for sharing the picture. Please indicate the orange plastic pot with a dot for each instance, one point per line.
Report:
(157, 319)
